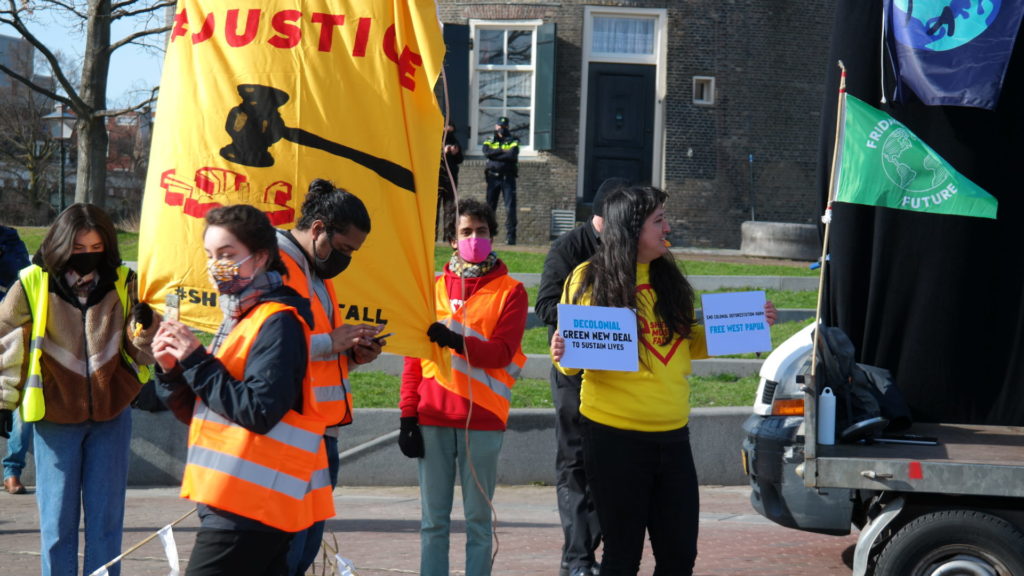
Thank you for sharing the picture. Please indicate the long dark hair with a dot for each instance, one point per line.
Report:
(252, 228)
(611, 275)
(59, 242)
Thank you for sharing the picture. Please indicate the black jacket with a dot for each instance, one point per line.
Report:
(274, 372)
(567, 252)
(502, 152)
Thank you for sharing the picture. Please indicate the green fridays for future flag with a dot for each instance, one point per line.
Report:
(882, 163)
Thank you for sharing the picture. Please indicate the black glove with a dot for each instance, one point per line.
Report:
(410, 439)
(7, 423)
(142, 314)
(443, 336)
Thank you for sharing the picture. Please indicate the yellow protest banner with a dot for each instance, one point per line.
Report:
(259, 98)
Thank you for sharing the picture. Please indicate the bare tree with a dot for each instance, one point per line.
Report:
(26, 151)
(88, 100)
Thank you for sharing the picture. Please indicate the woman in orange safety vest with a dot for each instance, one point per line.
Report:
(253, 458)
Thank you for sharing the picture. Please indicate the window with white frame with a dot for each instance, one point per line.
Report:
(504, 66)
(623, 35)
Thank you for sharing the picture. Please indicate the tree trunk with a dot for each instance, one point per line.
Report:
(91, 180)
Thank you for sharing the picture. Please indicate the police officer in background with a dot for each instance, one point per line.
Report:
(502, 152)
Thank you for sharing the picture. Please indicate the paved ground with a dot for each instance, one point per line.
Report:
(378, 529)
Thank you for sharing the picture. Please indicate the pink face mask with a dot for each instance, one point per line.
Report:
(474, 250)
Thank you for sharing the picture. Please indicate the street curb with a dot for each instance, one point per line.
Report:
(370, 454)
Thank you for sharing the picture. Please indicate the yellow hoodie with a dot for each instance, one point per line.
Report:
(656, 398)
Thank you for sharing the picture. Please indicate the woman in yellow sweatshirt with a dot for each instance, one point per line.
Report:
(636, 442)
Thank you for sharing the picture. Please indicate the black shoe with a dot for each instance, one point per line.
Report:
(564, 570)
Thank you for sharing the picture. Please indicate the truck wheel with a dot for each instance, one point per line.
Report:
(954, 543)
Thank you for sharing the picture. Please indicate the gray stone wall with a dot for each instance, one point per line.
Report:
(769, 61)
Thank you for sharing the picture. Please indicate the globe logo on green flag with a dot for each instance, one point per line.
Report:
(882, 163)
(909, 163)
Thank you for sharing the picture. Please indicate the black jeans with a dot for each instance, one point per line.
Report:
(217, 552)
(504, 185)
(643, 482)
(575, 506)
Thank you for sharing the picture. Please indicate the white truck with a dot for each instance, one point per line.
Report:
(955, 507)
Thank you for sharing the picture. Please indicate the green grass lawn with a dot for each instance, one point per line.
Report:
(33, 236)
(380, 390)
(781, 298)
(532, 262)
(535, 340)
(526, 262)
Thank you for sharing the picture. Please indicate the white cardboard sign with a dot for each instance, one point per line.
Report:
(598, 337)
(735, 323)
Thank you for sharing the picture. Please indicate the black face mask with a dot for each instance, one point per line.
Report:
(331, 266)
(85, 262)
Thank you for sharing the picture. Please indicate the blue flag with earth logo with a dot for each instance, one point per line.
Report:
(952, 52)
(882, 163)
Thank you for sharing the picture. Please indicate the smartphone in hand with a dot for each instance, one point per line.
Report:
(171, 303)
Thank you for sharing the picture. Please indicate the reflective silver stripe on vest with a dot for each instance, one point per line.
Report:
(346, 386)
(335, 393)
(512, 369)
(282, 432)
(479, 374)
(34, 381)
(460, 328)
(269, 478)
(321, 479)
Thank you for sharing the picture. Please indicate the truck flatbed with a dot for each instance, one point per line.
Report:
(968, 459)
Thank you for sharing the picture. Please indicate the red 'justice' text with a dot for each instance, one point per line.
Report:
(286, 31)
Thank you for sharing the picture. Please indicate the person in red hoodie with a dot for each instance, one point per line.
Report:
(457, 414)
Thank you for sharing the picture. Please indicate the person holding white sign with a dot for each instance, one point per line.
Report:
(636, 443)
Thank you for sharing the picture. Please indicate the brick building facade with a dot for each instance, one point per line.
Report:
(766, 63)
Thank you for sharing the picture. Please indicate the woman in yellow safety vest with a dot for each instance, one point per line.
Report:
(636, 442)
(256, 465)
(69, 354)
(456, 411)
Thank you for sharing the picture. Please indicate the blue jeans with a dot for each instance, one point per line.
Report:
(443, 448)
(18, 446)
(306, 544)
(81, 467)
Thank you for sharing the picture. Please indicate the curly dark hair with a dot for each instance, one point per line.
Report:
(477, 209)
(252, 228)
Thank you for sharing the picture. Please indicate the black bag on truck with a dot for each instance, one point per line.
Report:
(867, 400)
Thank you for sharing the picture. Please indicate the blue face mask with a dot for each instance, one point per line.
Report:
(224, 274)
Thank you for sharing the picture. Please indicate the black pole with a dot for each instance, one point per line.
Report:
(750, 159)
(62, 205)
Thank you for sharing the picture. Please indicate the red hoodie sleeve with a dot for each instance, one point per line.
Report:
(507, 336)
(412, 375)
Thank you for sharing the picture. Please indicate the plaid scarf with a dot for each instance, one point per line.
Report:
(464, 269)
(234, 306)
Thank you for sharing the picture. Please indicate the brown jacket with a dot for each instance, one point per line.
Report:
(84, 375)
